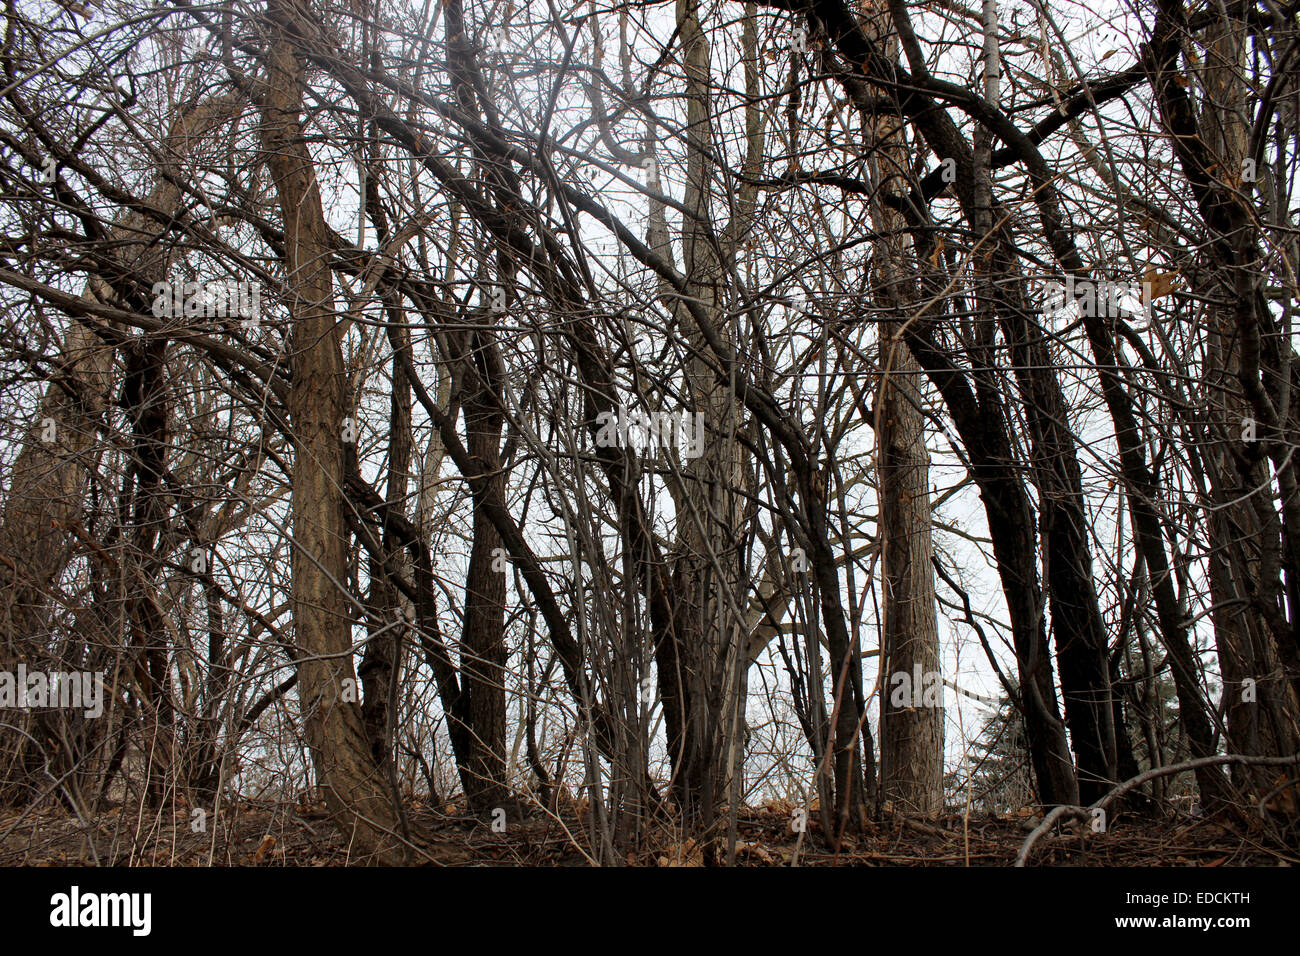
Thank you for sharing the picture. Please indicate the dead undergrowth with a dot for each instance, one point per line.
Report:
(293, 835)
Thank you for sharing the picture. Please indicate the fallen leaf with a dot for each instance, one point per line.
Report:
(268, 843)
(683, 854)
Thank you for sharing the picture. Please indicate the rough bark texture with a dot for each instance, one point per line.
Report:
(911, 737)
(1245, 559)
(353, 787)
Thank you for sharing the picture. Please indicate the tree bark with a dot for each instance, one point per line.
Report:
(354, 790)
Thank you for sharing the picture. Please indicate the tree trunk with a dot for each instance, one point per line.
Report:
(911, 733)
(353, 786)
(483, 649)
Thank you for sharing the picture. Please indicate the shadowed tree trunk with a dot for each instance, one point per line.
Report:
(482, 707)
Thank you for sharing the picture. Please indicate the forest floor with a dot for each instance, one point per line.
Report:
(292, 835)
